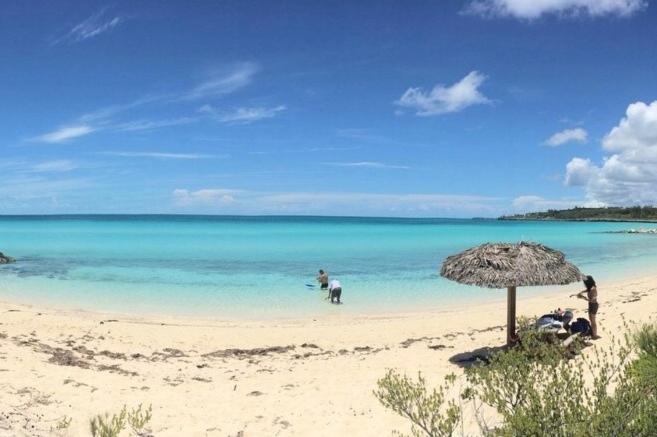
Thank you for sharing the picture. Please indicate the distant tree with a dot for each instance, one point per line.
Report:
(581, 213)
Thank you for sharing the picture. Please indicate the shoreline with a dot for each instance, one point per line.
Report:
(498, 298)
(484, 297)
(304, 376)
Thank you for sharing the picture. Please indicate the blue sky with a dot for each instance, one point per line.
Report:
(395, 108)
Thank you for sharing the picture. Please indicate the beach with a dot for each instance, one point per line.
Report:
(311, 376)
(257, 218)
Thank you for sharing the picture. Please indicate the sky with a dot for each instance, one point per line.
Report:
(428, 108)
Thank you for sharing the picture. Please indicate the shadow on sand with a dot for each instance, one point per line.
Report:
(480, 355)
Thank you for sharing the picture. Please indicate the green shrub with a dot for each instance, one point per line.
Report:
(536, 390)
(138, 419)
(426, 410)
(106, 426)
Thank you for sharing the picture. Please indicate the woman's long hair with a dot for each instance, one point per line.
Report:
(589, 282)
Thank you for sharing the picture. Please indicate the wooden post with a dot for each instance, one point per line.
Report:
(510, 315)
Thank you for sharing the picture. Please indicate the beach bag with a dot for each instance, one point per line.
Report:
(548, 322)
(580, 326)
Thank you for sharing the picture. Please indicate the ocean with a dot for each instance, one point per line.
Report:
(257, 267)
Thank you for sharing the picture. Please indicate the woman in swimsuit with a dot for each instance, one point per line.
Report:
(592, 297)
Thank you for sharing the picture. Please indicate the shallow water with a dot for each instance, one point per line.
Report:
(254, 267)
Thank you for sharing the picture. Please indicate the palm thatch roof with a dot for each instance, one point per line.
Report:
(502, 265)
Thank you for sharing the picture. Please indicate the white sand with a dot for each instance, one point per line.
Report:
(321, 389)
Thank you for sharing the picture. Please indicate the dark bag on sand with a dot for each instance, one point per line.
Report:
(580, 326)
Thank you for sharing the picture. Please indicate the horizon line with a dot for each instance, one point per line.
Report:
(35, 215)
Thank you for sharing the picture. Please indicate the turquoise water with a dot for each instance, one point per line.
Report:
(255, 267)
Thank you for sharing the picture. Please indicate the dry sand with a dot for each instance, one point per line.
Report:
(305, 377)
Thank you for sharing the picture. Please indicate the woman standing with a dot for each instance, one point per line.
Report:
(592, 297)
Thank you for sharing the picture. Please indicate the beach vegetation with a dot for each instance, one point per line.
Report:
(427, 410)
(112, 426)
(537, 389)
(633, 213)
(62, 425)
(108, 426)
(138, 418)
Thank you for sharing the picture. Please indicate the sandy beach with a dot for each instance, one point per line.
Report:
(276, 377)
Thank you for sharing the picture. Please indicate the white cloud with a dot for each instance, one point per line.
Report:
(141, 125)
(576, 135)
(93, 26)
(445, 99)
(532, 9)
(29, 188)
(218, 84)
(579, 171)
(242, 115)
(531, 203)
(208, 196)
(333, 203)
(160, 155)
(628, 175)
(223, 82)
(65, 133)
(59, 165)
(367, 164)
(637, 131)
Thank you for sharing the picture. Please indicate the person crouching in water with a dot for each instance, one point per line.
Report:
(592, 297)
(335, 290)
(323, 279)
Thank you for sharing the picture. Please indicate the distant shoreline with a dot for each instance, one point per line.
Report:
(554, 219)
(615, 214)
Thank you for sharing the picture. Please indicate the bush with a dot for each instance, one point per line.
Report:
(426, 410)
(536, 390)
(106, 426)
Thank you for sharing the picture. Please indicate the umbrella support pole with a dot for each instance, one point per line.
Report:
(511, 316)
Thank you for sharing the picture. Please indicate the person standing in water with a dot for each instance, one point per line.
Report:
(335, 290)
(592, 298)
(323, 279)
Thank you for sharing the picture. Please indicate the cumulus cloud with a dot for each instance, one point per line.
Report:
(243, 115)
(628, 174)
(65, 133)
(579, 171)
(532, 9)
(577, 135)
(445, 99)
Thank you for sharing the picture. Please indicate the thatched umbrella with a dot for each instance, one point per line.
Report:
(503, 265)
